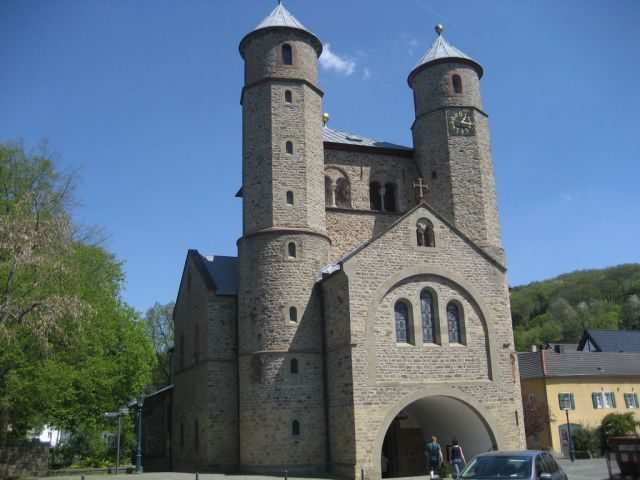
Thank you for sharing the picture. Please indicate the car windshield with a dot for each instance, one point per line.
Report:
(498, 466)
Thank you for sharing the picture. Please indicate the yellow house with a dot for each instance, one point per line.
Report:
(584, 385)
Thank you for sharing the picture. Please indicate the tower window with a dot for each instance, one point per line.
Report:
(293, 311)
(290, 197)
(375, 200)
(295, 428)
(293, 366)
(291, 250)
(181, 434)
(390, 197)
(181, 351)
(456, 81)
(403, 327)
(288, 96)
(289, 148)
(287, 54)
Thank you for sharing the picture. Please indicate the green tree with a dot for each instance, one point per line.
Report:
(617, 425)
(159, 327)
(70, 349)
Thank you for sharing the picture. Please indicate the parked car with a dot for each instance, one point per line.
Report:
(525, 465)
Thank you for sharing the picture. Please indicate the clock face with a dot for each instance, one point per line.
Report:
(461, 122)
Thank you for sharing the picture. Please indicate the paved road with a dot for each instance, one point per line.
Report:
(594, 469)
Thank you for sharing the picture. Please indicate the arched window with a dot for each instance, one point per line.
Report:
(329, 192)
(288, 97)
(403, 327)
(287, 54)
(375, 200)
(390, 197)
(343, 193)
(289, 148)
(291, 250)
(295, 428)
(293, 365)
(453, 321)
(290, 197)
(196, 436)
(456, 81)
(293, 311)
(428, 319)
(424, 233)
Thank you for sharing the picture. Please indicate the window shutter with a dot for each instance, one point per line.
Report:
(593, 399)
(573, 402)
(635, 397)
(613, 399)
(560, 401)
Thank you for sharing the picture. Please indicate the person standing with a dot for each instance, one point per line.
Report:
(457, 458)
(434, 456)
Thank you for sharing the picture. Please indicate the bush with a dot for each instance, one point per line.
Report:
(616, 425)
(443, 470)
(586, 439)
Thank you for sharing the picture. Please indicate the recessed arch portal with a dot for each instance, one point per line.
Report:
(444, 412)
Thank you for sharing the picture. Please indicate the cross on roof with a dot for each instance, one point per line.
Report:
(421, 186)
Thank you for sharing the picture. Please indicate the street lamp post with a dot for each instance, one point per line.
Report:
(572, 452)
(139, 427)
(119, 414)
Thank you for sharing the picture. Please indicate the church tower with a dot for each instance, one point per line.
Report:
(452, 145)
(282, 250)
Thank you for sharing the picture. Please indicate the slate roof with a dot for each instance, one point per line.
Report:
(611, 340)
(442, 51)
(330, 135)
(547, 363)
(219, 272)
(280, 17)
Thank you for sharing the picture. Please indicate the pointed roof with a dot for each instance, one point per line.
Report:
(443, 52)
(280, 17)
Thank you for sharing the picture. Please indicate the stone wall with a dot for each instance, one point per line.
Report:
(384, 372)
(24, 461)
(204, 372)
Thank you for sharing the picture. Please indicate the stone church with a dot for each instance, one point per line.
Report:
(368, 306)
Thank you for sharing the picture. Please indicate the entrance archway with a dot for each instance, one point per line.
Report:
(411, 428)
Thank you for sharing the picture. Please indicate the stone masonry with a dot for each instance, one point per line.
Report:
(312, 351)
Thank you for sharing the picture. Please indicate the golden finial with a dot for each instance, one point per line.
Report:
(325, 118)
(439, 28)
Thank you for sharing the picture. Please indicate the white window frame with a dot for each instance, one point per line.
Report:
(598, 399)
(631, 400)
(609, 399)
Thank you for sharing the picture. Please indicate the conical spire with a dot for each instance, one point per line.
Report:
(442, 51)
(280, 17)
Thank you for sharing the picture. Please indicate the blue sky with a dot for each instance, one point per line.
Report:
(143, 98)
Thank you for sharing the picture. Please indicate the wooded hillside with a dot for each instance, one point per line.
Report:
(560, 309)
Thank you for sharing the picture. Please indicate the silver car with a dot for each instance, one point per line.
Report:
(525, 465)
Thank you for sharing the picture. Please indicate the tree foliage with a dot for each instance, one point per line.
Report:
(70, 349)
(617, 425)
(159, 327)
(560, 309)
(536, 416)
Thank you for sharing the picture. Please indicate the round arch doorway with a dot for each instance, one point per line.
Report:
(411, 429)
